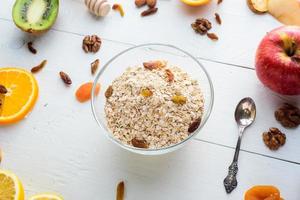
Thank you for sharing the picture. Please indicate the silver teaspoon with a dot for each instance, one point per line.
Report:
(245, 113)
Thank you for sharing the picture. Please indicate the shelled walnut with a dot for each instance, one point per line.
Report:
(288, 116)
(274, 138)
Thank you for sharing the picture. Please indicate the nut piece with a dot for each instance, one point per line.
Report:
(170, 75)
(149, 11)
(120, 191)
(146, 92)
(258, 6)
(91, 43)
(65, 77)
(274, 138)
(194, 125)
(109, 92)
(212, 36)
(3, 89)
(218, 18)
(140, 3)
(151, 3)
(179, 99)
(31, 48)
(158, 64)
(201, 25)
(220, 1)
(39, 67)
(288, 116)
(139, 143)
(94, 66)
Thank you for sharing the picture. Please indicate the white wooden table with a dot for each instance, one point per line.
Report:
(59, 147)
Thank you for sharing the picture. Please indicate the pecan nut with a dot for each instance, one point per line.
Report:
(170, 75)
(65, 78)
(151, 65)
(139, 143)
(274, 138)
(109, 91)
(140, 3)
(95, 66)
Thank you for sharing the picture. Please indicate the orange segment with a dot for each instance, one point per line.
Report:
(195, 2)
(22, 94)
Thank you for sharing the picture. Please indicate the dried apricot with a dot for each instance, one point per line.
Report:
(84, 92)
(263, 192)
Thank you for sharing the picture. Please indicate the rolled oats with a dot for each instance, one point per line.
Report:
(156, 121)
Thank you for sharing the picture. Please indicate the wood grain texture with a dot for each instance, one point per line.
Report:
(239, 34)
(60, 148)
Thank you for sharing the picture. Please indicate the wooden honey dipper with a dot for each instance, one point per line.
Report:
(98, 7)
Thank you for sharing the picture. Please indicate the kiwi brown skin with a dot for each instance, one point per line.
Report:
(33, 31)
(250, 5)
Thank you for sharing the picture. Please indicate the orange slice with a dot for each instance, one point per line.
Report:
(10, 186)
(195, 2)
(22, 93)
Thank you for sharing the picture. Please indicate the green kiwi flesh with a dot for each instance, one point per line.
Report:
(35, 16)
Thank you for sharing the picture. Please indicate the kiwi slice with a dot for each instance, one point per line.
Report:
(35, 16)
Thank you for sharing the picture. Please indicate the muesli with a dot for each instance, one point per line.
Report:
(153, 106)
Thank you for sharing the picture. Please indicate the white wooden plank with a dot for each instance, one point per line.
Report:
(239, 34)
(230, 83)
(81, 164)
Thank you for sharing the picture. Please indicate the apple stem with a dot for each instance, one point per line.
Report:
(291, 49)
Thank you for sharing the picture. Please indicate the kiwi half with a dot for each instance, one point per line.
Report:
(35, 16)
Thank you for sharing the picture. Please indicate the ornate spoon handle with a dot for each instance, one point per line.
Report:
(230, 181)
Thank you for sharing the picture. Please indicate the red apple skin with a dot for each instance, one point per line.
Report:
(274, 68)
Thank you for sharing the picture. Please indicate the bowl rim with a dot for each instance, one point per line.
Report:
(135, 149)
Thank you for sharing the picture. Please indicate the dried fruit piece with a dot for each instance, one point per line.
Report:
(151, 3)
(274, 138)
(146, 92)
(179, 99)
(65, 77)
(95, 66)
(109, 92)
(170, 75)
(158, 64)
(288, 116)
(31, 48)
(139, 143)
(258, 6)
(149, 11)
(201, 25)
(218, 18)
(3, 89)
(194, 125)
(212, 36)
(119, 8)
(220, 1)
(84, 92)
(263, 192)
(120, 191)
(91, 43)
(39, 67)
(140, 3)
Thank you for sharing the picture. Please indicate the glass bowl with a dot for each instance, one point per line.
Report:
(136, 56)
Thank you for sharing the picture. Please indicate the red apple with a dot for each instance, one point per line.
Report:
(278, 60)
